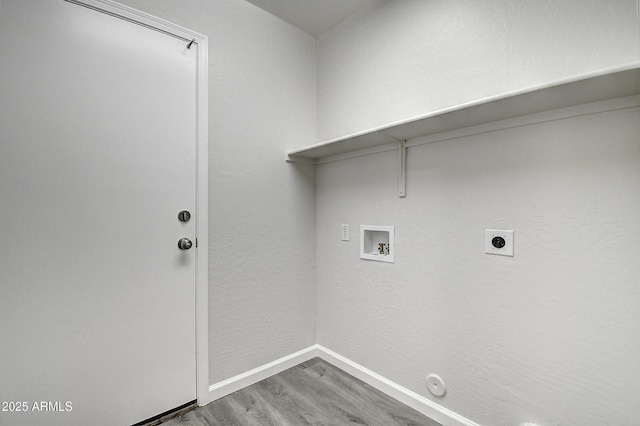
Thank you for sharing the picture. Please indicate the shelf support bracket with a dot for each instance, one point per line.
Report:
(402, 163)
(402, 168)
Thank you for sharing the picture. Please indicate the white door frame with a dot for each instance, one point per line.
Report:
(200, 44)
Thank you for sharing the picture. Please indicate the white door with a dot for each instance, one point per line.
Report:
(97, 158)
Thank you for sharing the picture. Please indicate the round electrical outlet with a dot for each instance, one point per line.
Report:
(436, 385)
(498, 242)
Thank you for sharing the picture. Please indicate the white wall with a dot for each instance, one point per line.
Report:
(262, 212)
(411, 57)
(528, 338)
(549, 336)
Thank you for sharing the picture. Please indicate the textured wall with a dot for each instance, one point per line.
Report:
(262, 211)
(411, 57)
(549, 336)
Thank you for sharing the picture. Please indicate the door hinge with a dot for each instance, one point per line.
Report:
(196, 243)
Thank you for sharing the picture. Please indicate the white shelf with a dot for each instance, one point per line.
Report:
(600, 86)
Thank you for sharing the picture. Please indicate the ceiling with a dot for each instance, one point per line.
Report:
(313, 16)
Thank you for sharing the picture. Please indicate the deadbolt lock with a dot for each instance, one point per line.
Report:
(184, 216)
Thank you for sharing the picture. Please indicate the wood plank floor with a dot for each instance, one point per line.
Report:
(312, 393)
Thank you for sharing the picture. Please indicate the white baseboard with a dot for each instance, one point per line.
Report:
(229, 386)
(386, 386)
(394, 390)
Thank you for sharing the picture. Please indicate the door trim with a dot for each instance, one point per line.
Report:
(200, 44)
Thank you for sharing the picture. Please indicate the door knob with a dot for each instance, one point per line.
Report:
(184, 244)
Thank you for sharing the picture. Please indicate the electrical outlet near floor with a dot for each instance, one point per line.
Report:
(498, 241)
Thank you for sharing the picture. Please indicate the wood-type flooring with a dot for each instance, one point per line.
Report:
(312, 393)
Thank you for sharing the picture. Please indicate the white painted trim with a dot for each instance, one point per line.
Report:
(394, 390)
(202, 179)
(386, 386)
(131, 14)
(202, 222)
(226, 387)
